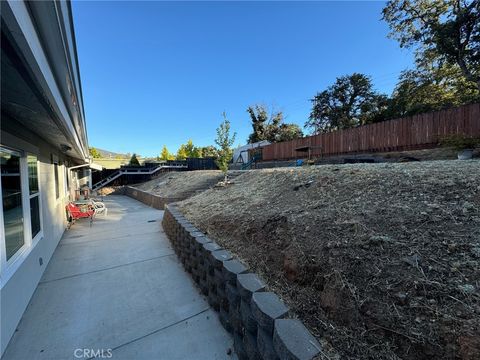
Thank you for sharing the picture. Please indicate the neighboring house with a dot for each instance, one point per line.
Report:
(240, 154)
(43, 145)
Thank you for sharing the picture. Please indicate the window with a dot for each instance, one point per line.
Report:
(12, 201)
(57, 185)
(66, 181)
(34, 194)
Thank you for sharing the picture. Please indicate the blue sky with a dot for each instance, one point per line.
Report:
(157, 73)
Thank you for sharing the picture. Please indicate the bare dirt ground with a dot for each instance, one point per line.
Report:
(181, 184)
(441, 153)
(380, 261)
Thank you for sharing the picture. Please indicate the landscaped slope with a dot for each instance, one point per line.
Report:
(379, 260)
(181, 184)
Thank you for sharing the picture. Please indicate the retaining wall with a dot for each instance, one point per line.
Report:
(259, 321)
(154, 201)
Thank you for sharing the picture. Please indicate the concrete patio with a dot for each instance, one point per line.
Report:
(118, 287)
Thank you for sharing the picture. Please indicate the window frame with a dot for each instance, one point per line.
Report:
(8, 267)
(66, 180)
(39, 235)
(56, 180)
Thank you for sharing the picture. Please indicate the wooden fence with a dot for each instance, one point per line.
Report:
(409, 133)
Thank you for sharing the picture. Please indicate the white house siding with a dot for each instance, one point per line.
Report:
(42, 112)
(19, 282)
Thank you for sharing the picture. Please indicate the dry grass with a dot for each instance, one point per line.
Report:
(181, 184)
(380, 260)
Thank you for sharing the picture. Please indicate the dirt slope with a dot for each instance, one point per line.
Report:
(379, 260)
(182, 183)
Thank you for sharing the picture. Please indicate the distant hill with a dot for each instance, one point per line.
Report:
(111, 154)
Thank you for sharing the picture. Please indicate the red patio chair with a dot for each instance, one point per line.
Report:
(75, 212)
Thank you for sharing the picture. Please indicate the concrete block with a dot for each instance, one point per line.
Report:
(188, 266)
(201, 272)
(250, 343)
(235, 318)
(232, 295)
(247, 284)
(196, 278)
(182, 222)
(239, 347)
(212, 286)
(218, 274)
(266, 308)
(209, 270)
(231, 269)
(199, 241)
(292, 341)
(194, 262)
(248, 321)
(213, 300)
(211, 246)
(203, 286)
(265, 345)
(222, 298)
(187, 229)
(191, 235)
(225, 320)
(218, 257)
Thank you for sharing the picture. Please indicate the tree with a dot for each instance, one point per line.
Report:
(349, 102)
(134, 161)
(191, 150)
(224, 142)
(287, 132)
(94, 153)
(181, 153)
(188, 150)
(270, 127)
(208, 151)
(420, 91)
(165, 154)
(440, 31)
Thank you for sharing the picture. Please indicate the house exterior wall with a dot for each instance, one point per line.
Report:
(42, 115)
(20, 278)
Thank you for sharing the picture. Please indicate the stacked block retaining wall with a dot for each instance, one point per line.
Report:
(154, 201)
(259, 321)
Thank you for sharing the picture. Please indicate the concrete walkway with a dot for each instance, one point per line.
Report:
(118, 287)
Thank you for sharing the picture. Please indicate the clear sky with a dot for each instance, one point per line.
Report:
(157, 73)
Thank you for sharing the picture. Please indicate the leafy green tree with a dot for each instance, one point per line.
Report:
(191, 150)
(134, 161)
(165, 154)
(260, 121)
(181, 153)
(94, 153)
(270, 127)
(349, 102)
(224, 142)
(188, 150)
(440, 31)
(208, 151)
(287, 132)
(420, 91)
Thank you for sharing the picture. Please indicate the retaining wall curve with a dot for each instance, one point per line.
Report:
(154, 201)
